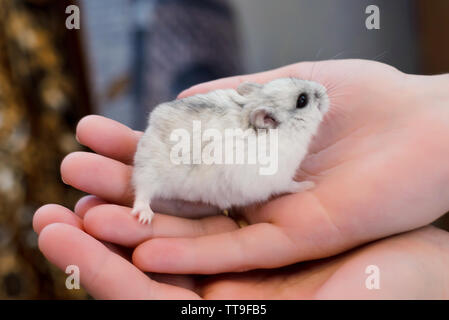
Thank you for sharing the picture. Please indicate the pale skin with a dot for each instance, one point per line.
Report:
(412, 266)
(379, 165)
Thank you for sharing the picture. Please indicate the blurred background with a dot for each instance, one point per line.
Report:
(130, 55)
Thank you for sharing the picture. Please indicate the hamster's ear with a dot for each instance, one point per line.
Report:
(247, 88)
(262, 118)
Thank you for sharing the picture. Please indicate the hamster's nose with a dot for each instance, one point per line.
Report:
(317, 94)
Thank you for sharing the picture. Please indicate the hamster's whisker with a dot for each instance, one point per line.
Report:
(311, 73)
(337, 86)
(337, 55)
(339, 96)
(314, 63)
(380, 56)
(345, 52)
(293, 81)
(333, 88)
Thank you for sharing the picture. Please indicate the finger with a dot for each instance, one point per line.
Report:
(301, 70)
(178, 280)
(104, 274)
(105, 178)
(240, 250)
(114, 224)
(86, 203)
(108, 137)
(109, 180)
(52, 213)
(300, 229)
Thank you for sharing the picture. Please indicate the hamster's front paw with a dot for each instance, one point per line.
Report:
(145, 214)
(296, 186)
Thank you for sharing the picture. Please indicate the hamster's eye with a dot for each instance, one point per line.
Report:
(303, 99)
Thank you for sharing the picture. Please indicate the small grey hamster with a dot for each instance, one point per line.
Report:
(285, 112)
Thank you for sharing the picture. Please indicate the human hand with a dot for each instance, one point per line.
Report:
(410, 265)
(379, 164)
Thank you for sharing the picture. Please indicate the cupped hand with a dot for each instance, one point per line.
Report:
(408, 266)
(379, 163)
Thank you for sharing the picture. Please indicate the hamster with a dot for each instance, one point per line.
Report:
(286, 111)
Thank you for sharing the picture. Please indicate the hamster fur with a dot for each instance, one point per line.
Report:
(279, 104)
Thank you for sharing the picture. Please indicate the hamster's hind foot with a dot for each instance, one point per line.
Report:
(144, 213)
